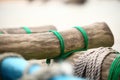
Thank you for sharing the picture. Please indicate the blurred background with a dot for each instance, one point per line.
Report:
(63, 14)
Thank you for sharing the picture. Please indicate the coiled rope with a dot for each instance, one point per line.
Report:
(90, 63)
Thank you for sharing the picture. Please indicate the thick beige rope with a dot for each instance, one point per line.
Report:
(90, 63)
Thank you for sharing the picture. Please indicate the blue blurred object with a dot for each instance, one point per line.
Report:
(12, 68)
(66, 78)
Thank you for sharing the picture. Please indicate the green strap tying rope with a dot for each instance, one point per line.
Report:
(62, 46)
(114, 71)
(85, 36)
(27, 30)
(64, 55)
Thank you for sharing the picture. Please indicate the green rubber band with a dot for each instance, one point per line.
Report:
(48, 61)
(64, 55)
(85, 36)
(27, 30)
(83, 32)
(117, 71)
(61, 40)
(114, 68)
(62, 46)
(1, 33)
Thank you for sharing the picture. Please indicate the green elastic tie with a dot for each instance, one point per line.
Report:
(64, 55)
(85, 36)
(114, 71)
(27, 30)
(1, 33)
(62, 46)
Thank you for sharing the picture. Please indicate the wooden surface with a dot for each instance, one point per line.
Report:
(46, 45)
(22, 31)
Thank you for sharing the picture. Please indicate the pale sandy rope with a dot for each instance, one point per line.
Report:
(100, 60)
(98, 63)
(89, 64)
(92, 63)
(81, 65)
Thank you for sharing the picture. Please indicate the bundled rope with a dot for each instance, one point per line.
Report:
(90, 64)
